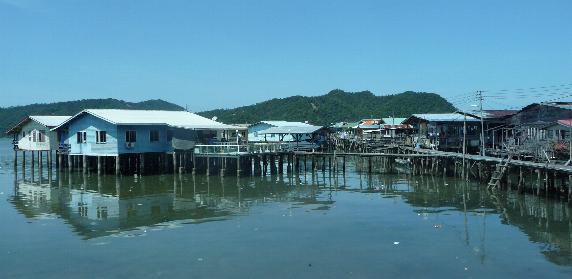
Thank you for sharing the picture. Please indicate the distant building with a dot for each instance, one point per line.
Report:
(258, 132)
(444, 131)
(33, 133)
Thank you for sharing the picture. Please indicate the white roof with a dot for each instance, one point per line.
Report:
(445, 117)
(291, 130)
(49, 120)
(286, 123)
(178, 119)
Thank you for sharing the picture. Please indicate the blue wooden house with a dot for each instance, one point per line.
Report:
(112, 132)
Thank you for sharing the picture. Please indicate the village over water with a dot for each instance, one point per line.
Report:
(487, 145)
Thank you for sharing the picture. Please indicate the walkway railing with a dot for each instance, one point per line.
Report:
(220, 149)
(234, 149)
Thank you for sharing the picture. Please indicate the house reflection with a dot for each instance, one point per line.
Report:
(545, 221)
(99, 206)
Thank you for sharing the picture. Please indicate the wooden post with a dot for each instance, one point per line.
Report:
(369, 165)
(84, 164)
(15, 159)
(546, 182)
(538, 172)
(40, 166)
(174, 161)
(117, 165)
(98, 165)
(50, 161)
(23, 162)
(70, 162)
(142, 163)
(60, 161)
(208, 165)
(520, 181)
(570, 189)
(344, 164)
(238, 165)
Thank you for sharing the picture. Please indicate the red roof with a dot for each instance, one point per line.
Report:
(565, 122)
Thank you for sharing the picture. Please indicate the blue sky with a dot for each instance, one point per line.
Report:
(212, 54)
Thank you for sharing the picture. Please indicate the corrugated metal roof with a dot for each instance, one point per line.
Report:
(565, 122)
(393, 120)
(47, 120)
(285, 123)
(395, 127)
(291, 130)
(369, 127)
(444, 117)
(50, 120)
(178, 119)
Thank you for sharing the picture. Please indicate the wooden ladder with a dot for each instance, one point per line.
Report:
(499, 172)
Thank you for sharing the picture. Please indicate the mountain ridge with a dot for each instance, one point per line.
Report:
(334, 106)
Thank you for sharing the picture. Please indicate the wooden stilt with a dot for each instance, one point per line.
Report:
(84, 164)
(174, 162)
(98, 165)
(23, 162)
(117, 165)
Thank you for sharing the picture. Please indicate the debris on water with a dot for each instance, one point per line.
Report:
(437, 226)
(396, 243)
(310, 265)
(139, 204)
(200, 259)
(1, 193)
(466, 268)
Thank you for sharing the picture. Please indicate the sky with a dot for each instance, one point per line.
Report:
(223, 54)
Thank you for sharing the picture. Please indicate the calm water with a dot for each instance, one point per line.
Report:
(311, 226)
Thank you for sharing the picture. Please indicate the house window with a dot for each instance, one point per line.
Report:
(130, 136)
(81, 137)
(34, 136)
(100, 136)
(42, 136)
(154, 136)
(23, 134)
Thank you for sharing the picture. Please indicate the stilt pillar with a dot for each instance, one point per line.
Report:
(84, 164)
(117, 165)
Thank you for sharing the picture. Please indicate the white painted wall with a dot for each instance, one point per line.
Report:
(27, 142)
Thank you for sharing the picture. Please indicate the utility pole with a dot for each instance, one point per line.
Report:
(480, 97)
(464, 143)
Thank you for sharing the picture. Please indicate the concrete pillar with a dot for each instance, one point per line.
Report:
(84, 164)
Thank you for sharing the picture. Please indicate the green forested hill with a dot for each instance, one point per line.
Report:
(11, 115)
(335, 106)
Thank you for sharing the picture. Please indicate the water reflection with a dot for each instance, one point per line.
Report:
(97, 206)
(103, 205)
